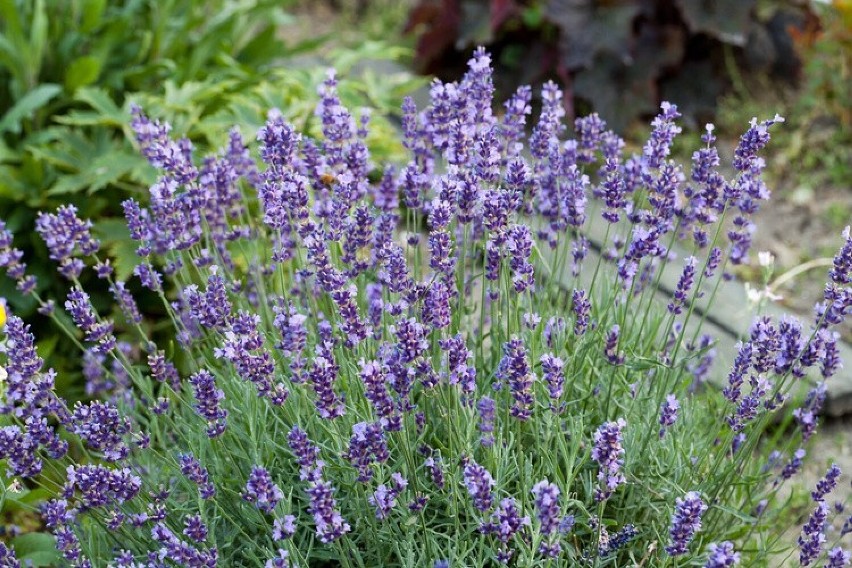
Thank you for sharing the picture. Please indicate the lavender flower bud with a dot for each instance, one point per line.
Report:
(722, 555)
(684, 284)
(813, 535)
(208, 398)
(546, 499)
(515, 369)
(553, 374)
(284, 528)
(261, 490)
(608, 453)
(581, 307)
(827, 484)
(7, 557)
(330, 524)
(479, 484)
(838, 558)
(686, 521)
(486, 408)
(611, 346)
(192, 469)
(668, 413)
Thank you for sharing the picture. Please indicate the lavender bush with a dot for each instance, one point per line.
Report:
(380, 366)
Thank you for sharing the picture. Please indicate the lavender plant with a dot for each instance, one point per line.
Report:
(418, 364)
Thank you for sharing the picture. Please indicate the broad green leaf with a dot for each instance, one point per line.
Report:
(102, 171)
(38, 39)
(27, 106)
(7, 154)
(11, 59)
(57, 155)
(13, 26)
(112, 229)
(47, 345)
(39, 549)
(11, 185)
(81, 72)
(116, 239)
(100, 100)
(92, 13)
(124, 257)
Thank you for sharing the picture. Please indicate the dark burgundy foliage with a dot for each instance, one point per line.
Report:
(620, 58)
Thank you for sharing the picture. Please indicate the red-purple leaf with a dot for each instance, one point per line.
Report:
(726, 20)
(588, 28)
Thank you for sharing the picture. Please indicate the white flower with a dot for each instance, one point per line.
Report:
(765, 258)
(755, 296)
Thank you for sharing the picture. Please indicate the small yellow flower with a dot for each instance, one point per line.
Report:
(2, 313)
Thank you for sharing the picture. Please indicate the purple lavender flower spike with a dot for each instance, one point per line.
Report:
(126, 302)
(658, 147)
(487, 408)
(722, 555)
(99, 332)
(192, 469)
(411, 337)
(366, 447)
(506, 521)
(261, 490)
(10, 259)
(686, 521)
(519, 244)
(684, 284)
(838, 558)
(100, 486)
(479, 485)
(212, 307)
(713, 261)
(608, 453)
(195, 528)
(813, 535)
(436, 306)
(581, 307)
(436, 472)
(66, 236)
(553, 373)
(611, 347)
(384, 497)
(208, 399)
(827, 484)
(19, 449)
(307, 454)
(7, 557)
(330, 524)
(280, 560)
(668, 413)
(793, 466)
(548, 511)
(102, 427)
(441, 256)
(516, 371)
(284, 528)
(323, 375)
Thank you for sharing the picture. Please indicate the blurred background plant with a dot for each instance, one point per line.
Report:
(621, 57)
